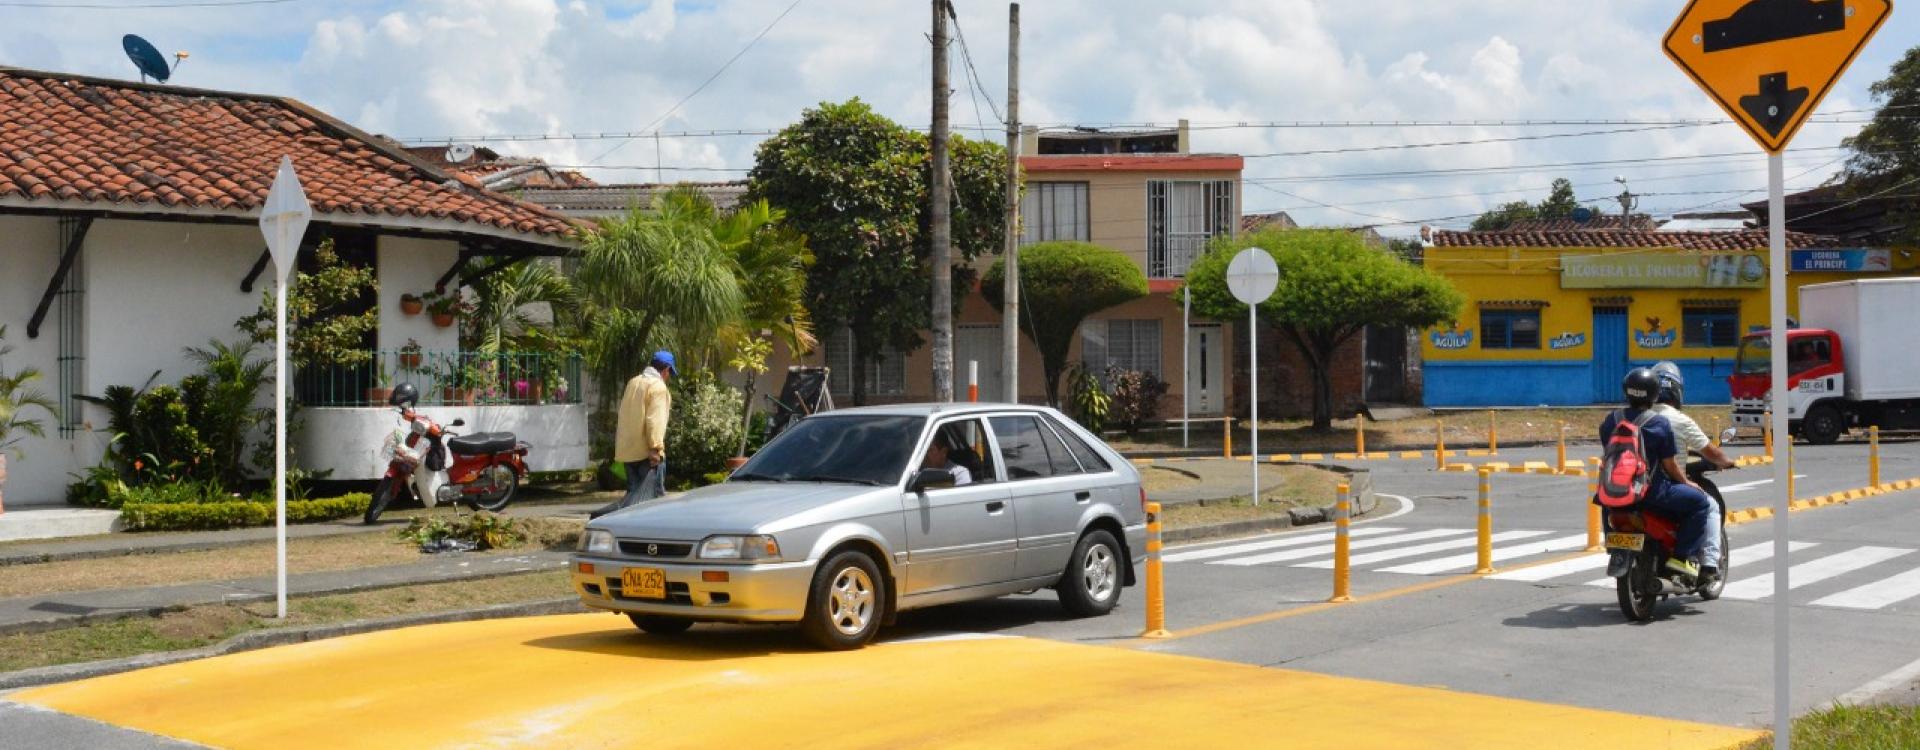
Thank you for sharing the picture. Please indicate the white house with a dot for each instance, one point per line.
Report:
(128, 231)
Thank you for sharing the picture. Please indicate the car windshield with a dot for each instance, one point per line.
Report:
(826, 448)
(1755, 356)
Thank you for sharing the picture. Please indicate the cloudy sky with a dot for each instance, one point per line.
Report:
(433, 69)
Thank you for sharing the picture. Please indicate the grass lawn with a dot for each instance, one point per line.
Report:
(202, 626)
(311, 554)
(1854, 728)
(1463, 430)
(1300, 486)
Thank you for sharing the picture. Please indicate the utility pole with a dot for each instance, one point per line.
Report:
(1010, 320)
(1628, 202)
(941, 217)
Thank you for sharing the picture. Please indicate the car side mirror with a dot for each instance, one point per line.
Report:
(926, 479)
(457, 423)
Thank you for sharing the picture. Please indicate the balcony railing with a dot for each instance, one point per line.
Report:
(445, 378)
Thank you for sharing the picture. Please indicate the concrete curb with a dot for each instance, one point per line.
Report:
(260, 639)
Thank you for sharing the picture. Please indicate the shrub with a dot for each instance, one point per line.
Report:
(1087, 402)
(1136, 397)
(205, 513)
(486, 530)
(705, 428)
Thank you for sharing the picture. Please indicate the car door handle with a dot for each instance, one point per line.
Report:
(994, 508)
(1082, 496)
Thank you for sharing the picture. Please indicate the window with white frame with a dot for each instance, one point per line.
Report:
(1054, 211)
(1182, 216)
(1126, 344)
(885, 377)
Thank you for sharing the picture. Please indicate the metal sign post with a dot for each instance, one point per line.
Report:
(1768, 63)
(1252, 277)
(283, 221)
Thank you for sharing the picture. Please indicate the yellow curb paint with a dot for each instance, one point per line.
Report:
(1312, 457)
(1476, 453)
(591, 681)
(1346, 456)
(1413, 454)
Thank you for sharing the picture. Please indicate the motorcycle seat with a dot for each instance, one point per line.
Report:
(482, 443)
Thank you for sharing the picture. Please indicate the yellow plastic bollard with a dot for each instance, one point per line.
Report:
(1226, 437)
(1342, 574)
(1156, 583)
(1486, 523)
(1360, 434)
(1560, 450)
(1439, 444)
(1791, 493)
(1593, 508)
(1713, 434)
(1873, 456)
(1766, 432)
(1493, 433)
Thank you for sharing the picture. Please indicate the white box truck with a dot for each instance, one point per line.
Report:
(1854, 362)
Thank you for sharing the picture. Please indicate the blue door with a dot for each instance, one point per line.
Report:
(1609, 353)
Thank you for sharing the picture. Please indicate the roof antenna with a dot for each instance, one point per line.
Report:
(147, 58)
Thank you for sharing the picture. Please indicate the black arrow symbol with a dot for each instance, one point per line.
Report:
(1776, 104)
(1764, 21)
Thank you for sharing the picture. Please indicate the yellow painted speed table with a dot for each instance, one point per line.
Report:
(592, 681)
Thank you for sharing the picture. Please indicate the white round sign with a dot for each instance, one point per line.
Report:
(1252, 276)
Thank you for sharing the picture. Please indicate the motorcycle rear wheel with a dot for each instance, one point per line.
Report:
(1639, 589)
(382, 495)
(495, 502)
(1712, 592)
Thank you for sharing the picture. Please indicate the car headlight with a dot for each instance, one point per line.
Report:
(596, 541)
(758, 547)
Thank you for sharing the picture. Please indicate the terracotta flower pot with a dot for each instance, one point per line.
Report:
(410, 360)
(378, 396)
(412, 306)
(460, 396)
(443, 320)
(736, 462)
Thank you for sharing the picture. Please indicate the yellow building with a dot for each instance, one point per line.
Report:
(1557, 317)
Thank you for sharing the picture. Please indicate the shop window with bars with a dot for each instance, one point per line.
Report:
(886, 377)
(1126, 344)
(1710, 327)
(1182, 216)
(1509, 329)
(1054, 211)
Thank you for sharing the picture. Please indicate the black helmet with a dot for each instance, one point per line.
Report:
(1673, 385)
(1640, 385)
(405, 395)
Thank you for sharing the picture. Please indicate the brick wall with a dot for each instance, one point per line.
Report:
(1286, 383)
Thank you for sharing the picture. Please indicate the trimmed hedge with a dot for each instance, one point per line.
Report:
(230, 514)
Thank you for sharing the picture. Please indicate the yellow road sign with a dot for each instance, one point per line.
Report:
(1769, 62)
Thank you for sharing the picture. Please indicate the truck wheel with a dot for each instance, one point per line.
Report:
(1822, 425)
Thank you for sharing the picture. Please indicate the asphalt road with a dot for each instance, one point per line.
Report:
(1541, 634)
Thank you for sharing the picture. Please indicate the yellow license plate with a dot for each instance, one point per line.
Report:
(1614, 541)
(643, 583)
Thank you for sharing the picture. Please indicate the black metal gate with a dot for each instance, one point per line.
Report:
(1386, 365)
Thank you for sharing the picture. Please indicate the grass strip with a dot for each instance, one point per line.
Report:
(1877, 727)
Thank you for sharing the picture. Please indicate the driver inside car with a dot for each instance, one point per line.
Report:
(939, 456)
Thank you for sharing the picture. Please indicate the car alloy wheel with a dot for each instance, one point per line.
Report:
(1100, 572)
(850, 601)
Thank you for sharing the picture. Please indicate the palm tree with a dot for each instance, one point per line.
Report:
(227, 401)
(16, 397)
(501, 319)
(773, 261)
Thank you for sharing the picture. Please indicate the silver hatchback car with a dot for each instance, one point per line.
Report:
(852, 516)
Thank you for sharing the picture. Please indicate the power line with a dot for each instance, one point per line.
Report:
(1467, 142)
(710, 79)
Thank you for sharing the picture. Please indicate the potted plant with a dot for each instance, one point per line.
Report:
(410, 356)
(460, 383)
(383, 385)
(16, 398)
(411, 304)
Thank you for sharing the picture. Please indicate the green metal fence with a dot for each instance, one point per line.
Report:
(444, 378)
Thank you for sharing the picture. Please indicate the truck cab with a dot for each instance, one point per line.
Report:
(1816, 383)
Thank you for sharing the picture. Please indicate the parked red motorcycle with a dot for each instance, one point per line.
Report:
(484, 471)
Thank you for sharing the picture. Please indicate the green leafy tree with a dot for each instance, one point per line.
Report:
(503, 304)
(223, 405)
(1061, 283)
(1332, 286)
(1559, 204)
(854, 184)
(319, 331)
(1885, 156)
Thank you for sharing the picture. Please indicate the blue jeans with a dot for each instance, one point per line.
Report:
(1687, 506)
(1711, 539)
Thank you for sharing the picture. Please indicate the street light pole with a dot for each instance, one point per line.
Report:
(1010, 310)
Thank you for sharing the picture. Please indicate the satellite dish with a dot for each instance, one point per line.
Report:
(146, 57)
(458, 153)
(1582, 214)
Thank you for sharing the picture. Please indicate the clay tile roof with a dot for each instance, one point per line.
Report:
(1751, 239)
(1637, 222)
(163, 149)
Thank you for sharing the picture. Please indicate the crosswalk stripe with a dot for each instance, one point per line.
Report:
(1421, 549)
(1243, 548)
(1467, 561)
(1327, 549)
(1738, 559)
(1537, 573)
(1761, 586)
(1878, 594)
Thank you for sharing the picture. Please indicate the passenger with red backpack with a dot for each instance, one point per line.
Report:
(1641, 468)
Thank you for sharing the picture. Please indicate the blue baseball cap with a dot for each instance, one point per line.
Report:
(664, 358)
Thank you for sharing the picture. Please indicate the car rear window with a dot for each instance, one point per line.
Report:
(1089, 459)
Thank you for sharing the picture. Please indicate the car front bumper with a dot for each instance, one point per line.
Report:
(772, 592)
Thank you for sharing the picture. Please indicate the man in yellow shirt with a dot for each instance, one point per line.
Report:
(640, 434)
